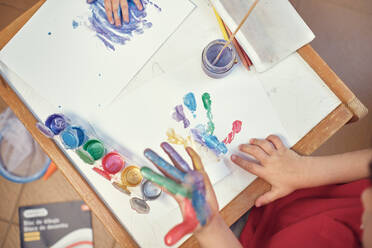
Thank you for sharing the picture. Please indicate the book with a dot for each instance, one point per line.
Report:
(272, 32)
(56, 225)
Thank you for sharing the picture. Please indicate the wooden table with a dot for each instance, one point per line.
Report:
(350, 110)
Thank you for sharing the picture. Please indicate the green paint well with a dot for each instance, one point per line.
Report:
(207, 102)
(85, 156)
(165, 182)
(95, 148)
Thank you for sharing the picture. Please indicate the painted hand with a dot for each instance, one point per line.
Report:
(113, 8)
(283, 168)
(190, 188)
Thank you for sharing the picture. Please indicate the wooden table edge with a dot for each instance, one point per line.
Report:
(241, 203)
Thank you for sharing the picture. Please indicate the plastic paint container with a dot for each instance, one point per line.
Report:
(131, 176)
(73, 137)
(112, 162)
(95, 148)
(54, 124)
(224, 65)
(150, 191)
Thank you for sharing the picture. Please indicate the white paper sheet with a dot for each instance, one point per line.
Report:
(272, 32)
(140, 118)
(61, 56)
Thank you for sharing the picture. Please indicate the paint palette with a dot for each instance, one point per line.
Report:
(105, 160)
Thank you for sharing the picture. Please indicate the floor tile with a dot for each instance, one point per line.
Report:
(3, 230)
(11, 9)
(9, 194)
(12, 240)
(55, 189)
(102, 238)
(343, 39)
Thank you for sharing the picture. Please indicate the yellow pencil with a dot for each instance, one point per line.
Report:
(220, 23)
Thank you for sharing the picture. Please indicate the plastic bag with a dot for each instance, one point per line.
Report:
(21, 158)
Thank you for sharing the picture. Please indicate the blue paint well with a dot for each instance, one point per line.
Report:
(56, 123)
(73, 137)
(109, 34)
(49, 33)
(190, 102)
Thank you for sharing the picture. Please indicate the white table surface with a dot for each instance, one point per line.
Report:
(298, 95)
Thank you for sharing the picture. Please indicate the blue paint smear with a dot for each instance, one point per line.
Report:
(164, 165)
(75, 24)
(201, 136)
(109, 34)
(190, 102)
(49, 33)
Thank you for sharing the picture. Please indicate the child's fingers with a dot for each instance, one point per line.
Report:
(265, 145)
(138, 4)
(171, 186)
(115, 10)
(188, 225)
(198, 166)
(254, 151)
(177, 160)
(108, 9)
(251, 167)
(195, 158)
(276, 141)
(268, 197)
(165, 167)
(124, 10)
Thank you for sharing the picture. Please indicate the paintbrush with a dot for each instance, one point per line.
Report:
(242, 55)
(236, 30)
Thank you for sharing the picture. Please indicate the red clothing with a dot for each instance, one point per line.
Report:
(328, 216)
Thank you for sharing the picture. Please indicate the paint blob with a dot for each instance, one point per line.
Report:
(190, 102)
(179, 116)
(109, 34)
(201, 136)
(207, 102)
(237, 127)
(177, 139)
(75, 24)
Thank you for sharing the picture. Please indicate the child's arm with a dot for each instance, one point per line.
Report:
(287, 171)
(217, 234)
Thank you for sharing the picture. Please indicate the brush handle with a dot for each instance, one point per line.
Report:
(236, 31)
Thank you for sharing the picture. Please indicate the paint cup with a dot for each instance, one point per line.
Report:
(95, 148)
(131, 176)
(54, 124)
(85, 156)
(224, 65)
(112, 162)
(73, 137)
(150, 191)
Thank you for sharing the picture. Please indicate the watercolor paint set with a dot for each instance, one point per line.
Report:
(110, 164)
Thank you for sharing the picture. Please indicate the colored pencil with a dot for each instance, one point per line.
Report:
(220, 23)
(242, 55)
(51, 169)
(236, 30)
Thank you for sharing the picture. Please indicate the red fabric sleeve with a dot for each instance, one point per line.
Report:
(328, 216)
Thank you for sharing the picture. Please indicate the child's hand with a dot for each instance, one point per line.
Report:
(113, 7)
(283, 168)
(190, 188)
